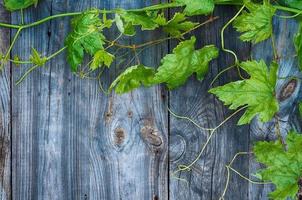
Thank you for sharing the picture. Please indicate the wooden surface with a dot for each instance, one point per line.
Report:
(61, 138)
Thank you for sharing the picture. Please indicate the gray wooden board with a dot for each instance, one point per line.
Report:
(70, 141)
(207, 178)
(61, 138)
(5, 114)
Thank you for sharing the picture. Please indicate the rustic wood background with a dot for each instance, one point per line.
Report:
(60, 138)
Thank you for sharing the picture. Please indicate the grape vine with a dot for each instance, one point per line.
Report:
(255, 95)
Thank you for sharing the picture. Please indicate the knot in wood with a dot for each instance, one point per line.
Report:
(287, 90)
(119, 136)
(151, 136)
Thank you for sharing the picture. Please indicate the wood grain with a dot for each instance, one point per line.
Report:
(70, 141)
(207, 178)
(61, 138)
(5, 114)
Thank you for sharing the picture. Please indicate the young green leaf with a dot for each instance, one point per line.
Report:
(177, 25)
(13, 5)
(101, 57)
(256, 24)
(177, 67)
(133, 77)
(298, 45)
(144, 19)
(125, 28)
(283, 167)
(86, 37)
(36, 58)
(197, 7)
(257, 92)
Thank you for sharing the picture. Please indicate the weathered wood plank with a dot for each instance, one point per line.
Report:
(207, 178)
(72, 142)
(5, 113)
(288, 92)
(129, 147)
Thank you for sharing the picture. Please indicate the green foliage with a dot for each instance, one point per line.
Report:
(125, 28)
(256, 24)
(13, 5)
(292, 3)
(86, 37)
(101, 57)
(177, 67)
(36, 58)
(177, 25)
(199, 7)
(283, 167)
(133, 77)
(298, 45)
(127, 19)
(257, 92)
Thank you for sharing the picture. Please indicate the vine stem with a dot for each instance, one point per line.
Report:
(11, 46)
(230, 168)
(136, 46)
(26, 74)
(222, 34)
(70, 14)
(148, 8)
(221, 72)
(278, 7)
(188, 167)
(189, 119)
(37, 66)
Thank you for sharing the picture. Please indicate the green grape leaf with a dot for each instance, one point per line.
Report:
(291, 3)
(101, 57)
(282, 167)
(197, 7)
(177, 25)
(126, 29)
(144, 19)
(298, 45)
(256, 24)
(133, 77)
(177, 67)
(107, 23)
(13, 5)
(257, 92)
(36, 58)
(86, 37)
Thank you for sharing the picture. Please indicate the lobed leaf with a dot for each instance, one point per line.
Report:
(13, 5)
(177, 25)
(133, 77)
(256, 23)
(101, 57)
(282, 167)
(197, 7)
(257, 92)
(86, 37)
(177, 67)
(125, 20)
